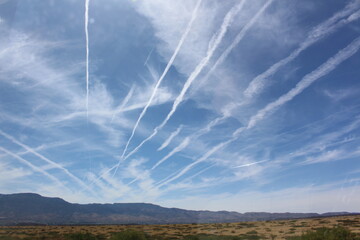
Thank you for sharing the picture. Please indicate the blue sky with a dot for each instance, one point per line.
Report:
(218, 105)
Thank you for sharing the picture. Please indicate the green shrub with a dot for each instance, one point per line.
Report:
(217, 237)
(191, 238)
(81, 236)
(336, 233)
(129, 235)
(8, 238)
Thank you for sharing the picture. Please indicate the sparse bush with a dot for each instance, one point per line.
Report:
(336, 233)
(129, 235)
(8, 238)
(192, 238)
(81, 236)
(217, 237)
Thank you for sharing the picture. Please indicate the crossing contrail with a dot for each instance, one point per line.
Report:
(52, 163)
(87, 54)
(305, 82)
(189, 138)
(186, 142)
(320, 31)
(123, 103)
(212, 47)
(182, 40)
(201, 159)
(33, 167)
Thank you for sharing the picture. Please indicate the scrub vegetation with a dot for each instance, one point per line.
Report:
(330, 228)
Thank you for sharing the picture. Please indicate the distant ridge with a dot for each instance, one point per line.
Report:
(30, 208)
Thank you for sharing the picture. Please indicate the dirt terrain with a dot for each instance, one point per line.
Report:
(279, 229)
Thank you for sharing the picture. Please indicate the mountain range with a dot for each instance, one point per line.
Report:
(30, 208)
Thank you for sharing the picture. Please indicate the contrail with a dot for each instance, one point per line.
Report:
(35, 168)
(315, 35)
(305, 82)
(191, 137)
(201, 171)
(148, 57)
(177, 149)
(212, 47)
(182, 40)
(56, 165)
(186, 142)
(163, 180)
(214, 122)
(201, 159)
(87, 54)
(321, 71)
(319, 32)
(238, 38)
(182, 145)
(159, 183)
(170, 138)
(250, 164)
(209, 126)
(123, 103)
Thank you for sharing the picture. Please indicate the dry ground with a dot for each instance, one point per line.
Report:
(279, 229)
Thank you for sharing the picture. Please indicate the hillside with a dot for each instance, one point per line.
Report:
(29, 208)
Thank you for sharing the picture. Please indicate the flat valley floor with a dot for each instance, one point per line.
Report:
(278, 229)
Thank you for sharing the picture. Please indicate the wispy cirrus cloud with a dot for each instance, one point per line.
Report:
(211, 144)
(341, 94)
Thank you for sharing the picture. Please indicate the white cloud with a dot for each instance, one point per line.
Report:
(53, 87)
(9, 174)
(35, 168)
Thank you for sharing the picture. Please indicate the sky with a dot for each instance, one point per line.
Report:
(231, 105)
